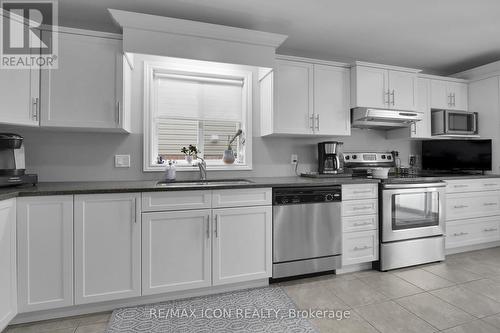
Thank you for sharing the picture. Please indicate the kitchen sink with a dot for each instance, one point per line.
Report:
(203, 183)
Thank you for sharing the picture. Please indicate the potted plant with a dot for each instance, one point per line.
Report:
(228, 156)
(190, 152)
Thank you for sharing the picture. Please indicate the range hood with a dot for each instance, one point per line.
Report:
(383, 119)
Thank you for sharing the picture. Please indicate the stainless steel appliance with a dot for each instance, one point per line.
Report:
(12, 161)
(411, 213)
(383, 119)
(307, 230)
(330, 159)
(454, 123)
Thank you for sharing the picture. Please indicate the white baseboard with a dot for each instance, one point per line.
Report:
(471, 248)
(77, 310)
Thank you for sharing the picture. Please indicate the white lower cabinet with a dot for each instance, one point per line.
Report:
(242, 244)
(107, 247)
(176, 251)
(45, 252)
(8, 284)
(360, 247)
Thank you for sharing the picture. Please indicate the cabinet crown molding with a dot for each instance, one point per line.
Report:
(195, 29)
(388, 67)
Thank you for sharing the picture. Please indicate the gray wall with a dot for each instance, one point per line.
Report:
(78, 156)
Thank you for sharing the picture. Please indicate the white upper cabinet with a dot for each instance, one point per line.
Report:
(305, 97)
(331, 100)
(86, 90)
(294, 97)
(45, 252)
(8, 285)
(107, 247)
(422, 129)
(449, 95)
(19, 96)
(383, 87)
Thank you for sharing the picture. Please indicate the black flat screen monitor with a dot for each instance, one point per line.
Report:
(456, 155)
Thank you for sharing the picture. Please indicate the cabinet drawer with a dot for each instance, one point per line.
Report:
(474, 204)
(359, 247)
(473, 231)
(176, 200)
(360, 223)
(242, 197)
(359, 191)
(473, 185)
(359, 207)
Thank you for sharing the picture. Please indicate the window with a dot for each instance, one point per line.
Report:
(190, 105)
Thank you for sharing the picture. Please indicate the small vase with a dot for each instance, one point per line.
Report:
(189, 159)
(228, 157)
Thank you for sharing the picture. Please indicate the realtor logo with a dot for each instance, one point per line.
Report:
(28, 37)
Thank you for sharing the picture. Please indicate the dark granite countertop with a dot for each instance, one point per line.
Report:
(62, 188)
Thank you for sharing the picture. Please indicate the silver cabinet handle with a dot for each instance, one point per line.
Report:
(490, 204)
(134, 210)
(490, 229)
(216, 226)
(34, 114)
(317, 122)
(388, 94)
(118, 112)
(460, 206)
(361, 192)
(491, 184)
(460, 234)
(362, 248)
(393, 98)
(362, 208)
(208, 226)
(460, 186)
(454, 100)
(449, 100)
(311, 122)
(361, 224)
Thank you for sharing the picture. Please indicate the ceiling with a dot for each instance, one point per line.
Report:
(438, 36)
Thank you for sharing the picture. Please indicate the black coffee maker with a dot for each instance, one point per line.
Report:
(330, 159)
(12, 163)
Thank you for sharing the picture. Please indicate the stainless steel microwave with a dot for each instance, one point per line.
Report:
(453, 123)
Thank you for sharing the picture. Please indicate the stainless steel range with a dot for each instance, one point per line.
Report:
(411, 213)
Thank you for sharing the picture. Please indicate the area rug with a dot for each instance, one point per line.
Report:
(252, 310)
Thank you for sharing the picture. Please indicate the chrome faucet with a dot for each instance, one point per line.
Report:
(202, 165)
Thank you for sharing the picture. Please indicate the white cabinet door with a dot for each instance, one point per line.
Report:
(294, 97)
(176, 251)
(45, 252)
(422, 129)
(8, 285)
(459, 92)
(331, 100)
(242, 244)
(85, 90)
(370, 87)
(440, 95)
(19, 96)
(403, 90)
(107, 247)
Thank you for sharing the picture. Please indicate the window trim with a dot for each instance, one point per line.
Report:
(172, 65)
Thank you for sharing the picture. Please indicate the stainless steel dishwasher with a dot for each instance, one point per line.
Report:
(307, 230)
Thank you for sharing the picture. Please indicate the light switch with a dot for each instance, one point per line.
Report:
(122, 161)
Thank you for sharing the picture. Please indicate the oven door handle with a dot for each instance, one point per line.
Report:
(413, 185)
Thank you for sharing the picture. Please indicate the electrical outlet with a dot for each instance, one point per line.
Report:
(295, 159)
(122, 161)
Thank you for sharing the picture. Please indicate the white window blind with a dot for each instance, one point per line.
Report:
(198, 98)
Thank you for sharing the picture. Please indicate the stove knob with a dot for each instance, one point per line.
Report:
(329, 197)
(383, 157)
(347, 157)
(389, 157)
(354, 157)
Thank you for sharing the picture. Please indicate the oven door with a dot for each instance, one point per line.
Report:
(412, 211)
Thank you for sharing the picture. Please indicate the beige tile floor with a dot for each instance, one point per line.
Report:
(461, 295)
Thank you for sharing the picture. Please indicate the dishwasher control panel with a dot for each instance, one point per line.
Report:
(301, 195)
